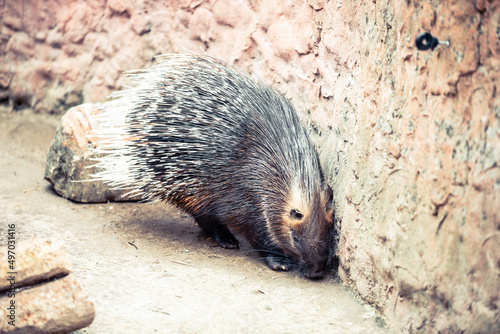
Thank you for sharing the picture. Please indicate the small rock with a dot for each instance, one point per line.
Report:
(41, 306)
(35, 260)
(59, 306)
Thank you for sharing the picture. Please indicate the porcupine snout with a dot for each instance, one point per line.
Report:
(314, 260)
(315, 266)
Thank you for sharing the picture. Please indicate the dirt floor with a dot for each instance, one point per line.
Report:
(148, 269)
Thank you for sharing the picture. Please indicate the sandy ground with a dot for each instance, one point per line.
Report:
(148, 269)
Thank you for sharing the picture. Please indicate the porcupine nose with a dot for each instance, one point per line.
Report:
(315, 271)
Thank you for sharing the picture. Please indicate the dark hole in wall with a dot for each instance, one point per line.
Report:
(4, 100)
(20, 102)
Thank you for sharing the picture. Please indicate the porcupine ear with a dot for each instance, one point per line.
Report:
(296, 214)
(295, 209)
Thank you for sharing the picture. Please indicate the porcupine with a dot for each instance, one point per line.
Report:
(227, 149)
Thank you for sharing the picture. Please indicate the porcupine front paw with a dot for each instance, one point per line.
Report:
(279, 263)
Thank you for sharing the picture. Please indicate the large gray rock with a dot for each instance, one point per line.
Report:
(69, 160)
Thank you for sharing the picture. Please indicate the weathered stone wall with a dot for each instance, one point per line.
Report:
(409, 139)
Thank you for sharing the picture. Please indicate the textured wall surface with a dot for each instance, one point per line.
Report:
(409, 139)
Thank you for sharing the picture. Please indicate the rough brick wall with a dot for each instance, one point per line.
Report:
(409, 139)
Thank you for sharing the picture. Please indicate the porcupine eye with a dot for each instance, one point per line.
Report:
(296, 214)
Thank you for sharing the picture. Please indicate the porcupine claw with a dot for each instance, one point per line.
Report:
(279, 263)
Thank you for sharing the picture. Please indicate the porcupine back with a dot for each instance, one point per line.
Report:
(208, 138)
